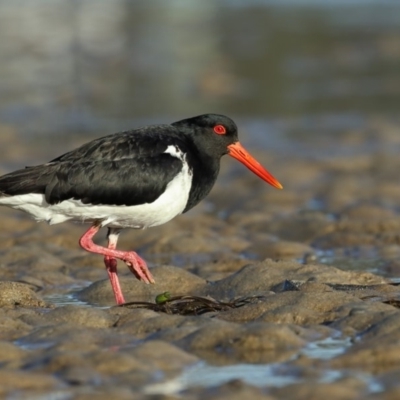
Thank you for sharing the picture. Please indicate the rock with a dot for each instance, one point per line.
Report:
(337, 390)
(10, 354)
(352, 319)
(172, 279)
(31, 261)
(81, 316)
(13, 381)
(67, 337)
(167, 327)
(259, 278)
(19, 294)
(373, 356)
(141, 323)
(162, 356)
(249, 337)
(12, 328)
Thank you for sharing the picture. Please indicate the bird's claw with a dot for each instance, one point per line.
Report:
(139, 268)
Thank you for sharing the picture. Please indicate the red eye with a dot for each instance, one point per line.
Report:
(219, 129)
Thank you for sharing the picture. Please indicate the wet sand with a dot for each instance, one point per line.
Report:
(321, 254)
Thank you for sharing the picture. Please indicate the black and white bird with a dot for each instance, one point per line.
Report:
(134, 179)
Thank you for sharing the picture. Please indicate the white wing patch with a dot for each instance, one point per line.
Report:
(170, 204)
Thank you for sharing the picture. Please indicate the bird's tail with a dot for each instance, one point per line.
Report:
(27, 180)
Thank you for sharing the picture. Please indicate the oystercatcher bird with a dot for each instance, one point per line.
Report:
(134, 179)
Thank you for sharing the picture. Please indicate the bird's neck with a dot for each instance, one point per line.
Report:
(205, 170)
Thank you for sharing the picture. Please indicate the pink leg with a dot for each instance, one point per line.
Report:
(136, 264)
(111, 266)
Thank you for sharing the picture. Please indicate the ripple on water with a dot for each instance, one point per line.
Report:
(67, 296)
(327, 348)
(270, 375)
(264, 375)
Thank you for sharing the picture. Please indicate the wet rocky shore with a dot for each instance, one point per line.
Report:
(320, 260)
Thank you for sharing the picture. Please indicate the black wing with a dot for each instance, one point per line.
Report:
(147, 141)
(126, 168)
(124, 182)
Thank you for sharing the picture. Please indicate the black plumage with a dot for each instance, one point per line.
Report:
(128, 168)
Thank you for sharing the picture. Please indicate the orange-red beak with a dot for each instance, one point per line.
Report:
(236, 150)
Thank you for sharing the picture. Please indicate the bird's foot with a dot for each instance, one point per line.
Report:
(138, 267)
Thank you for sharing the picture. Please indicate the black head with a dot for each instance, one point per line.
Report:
(216, 135)
(212, 133)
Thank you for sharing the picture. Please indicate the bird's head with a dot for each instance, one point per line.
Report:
(218, 135)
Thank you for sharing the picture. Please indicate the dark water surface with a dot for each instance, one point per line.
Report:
(85, 65)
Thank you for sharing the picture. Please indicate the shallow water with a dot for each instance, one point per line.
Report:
(100, 69)
(66, 296)
(326, 348)
(270, 375)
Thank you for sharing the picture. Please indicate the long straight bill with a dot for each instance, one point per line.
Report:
(236, 150)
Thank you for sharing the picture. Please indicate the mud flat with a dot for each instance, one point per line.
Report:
(320, 260)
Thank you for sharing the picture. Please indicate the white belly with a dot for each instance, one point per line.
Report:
(170, 204)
